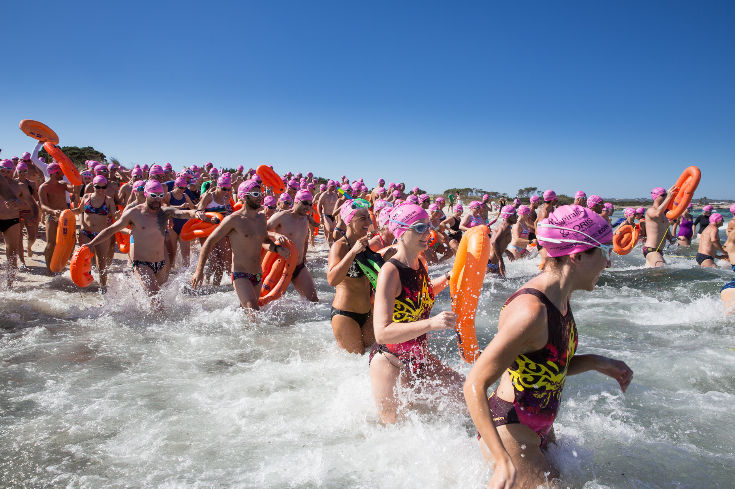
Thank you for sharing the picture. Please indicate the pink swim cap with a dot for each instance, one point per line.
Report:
(240, 168)
(433, 208)
(384, 217)
(657, 191)
(208, 165)
(609, 206)
(310, 175)
(322, 187)
(347, 212)
(26, 156)
(732, 209)
(535, 198)
(381, 204)
(112, 166)
(594, 200)
(302, 195)
(507, 211)
(152, 187)
(167, 166)
(641, 210)
(293, 183)
(303, 186)
(180, 182)
(42, 159)
(331, 183)
(256, 177)
(474, 204)
(311, 186)
(412, 199)
(8, 165)
(398, 202)
(298, 175)
(213, 172)
(100, 169)
(346, 187)
(145, 167)
(225, 181)
(582, 229)
(21, 166)
(396, 193)
(458, 208)
(137, 171)
(139, 185)
(707, 208)
(402, 217)
(485, 197)
(549, 195)
(416, 189)
(99, 179)
(284, 197)
(628, 212)
(381, 190)
(269, 201)
(247, 186)
(156, 170)
(424, 198)
(391, 185)
(439, 199)
(381, 182)
(715, 217)
(580, 195)
(523, 210)
(516, 201)
(51, 169)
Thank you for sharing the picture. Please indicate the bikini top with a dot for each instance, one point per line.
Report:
(103, 210)
(524, 230)
(355, 271)
(215, 207)
(538, 377)
(475, 221)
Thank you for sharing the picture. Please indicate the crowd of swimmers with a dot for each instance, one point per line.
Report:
(381, 243)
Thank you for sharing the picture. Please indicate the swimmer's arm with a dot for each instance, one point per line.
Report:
(522, 327)
(32, 204)
(340, 261)
(43, 200)
(445, 222)
(661, 210)
(219, 232)
(110, 231)
(440, 283)
(177, 213)
(386, 331)
(496, 249)
(612, 368)
(78, 209)
(464, 221)
(206, 199)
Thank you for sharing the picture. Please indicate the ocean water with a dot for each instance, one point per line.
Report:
(101, 392)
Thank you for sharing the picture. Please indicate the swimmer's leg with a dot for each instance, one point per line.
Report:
(655, 260)
(304, 285)
(385, 374)
(246, 293)
(450, 382)
(350, 336)
(728, 299)
(522, 444)
(51, 227)
(12, 251)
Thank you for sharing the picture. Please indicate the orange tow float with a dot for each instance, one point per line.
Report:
(624, 239)
(467, 276)
(81, 267)
(194, 228)
(687, 183)
(38, 130)
(123, 239)
(270, 179)
(277, 273)
(67, 166)
(66, 234)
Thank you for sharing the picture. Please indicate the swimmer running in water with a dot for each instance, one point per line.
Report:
(535, 350)
(657, 227)
(501, 237)
(403, 301)
(684, 227)
(519, 233)
(709, 243)
(727, 293)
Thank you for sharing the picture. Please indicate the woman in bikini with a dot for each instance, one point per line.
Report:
(97, 210)
(403, 300)
(535, 350)
(453, 226)
(179, 200)
(217, 200)
(520, 232)
(351, 321)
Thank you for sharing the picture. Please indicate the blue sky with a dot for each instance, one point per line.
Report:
(610, 97)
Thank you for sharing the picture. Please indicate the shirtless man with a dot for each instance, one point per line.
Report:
(31, 225)
(501, 238)
(375, 194)
(294, 224)
(247, 231)
(657, 227)
(595, 203)
(52, 196)
(126, 194)
(13, 196)
(148, 224)
(709, 243)
(731, 224)
(546, 208)
(580, 198)
(727, 293)
(326, 210)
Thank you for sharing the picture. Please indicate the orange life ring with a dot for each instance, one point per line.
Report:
(625, 239)
(687, 183)
(277, 273)
(81, 267)
(66, 232)
(468, 272)
(270, 179)
(67, 166)
(194, 228)
(38, 130)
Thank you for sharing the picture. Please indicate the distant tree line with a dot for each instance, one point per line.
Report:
(79, 155)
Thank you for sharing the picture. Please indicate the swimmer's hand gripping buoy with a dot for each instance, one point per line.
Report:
(465, 285)
(194, 228)
(687, 183)
(277, 273)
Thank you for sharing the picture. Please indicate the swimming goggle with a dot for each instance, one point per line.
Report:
(255, 194)
(419, 227)
(359, 204)
(154, 195)
(606, 249)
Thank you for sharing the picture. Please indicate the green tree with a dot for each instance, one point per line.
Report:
(77, 155)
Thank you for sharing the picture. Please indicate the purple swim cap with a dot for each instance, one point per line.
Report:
(582, 229)
(594, 200)
(310, 175)
(152, 187)
(549, 195)
(213, 172)
(507, 211)
(346, 187)
(580, 195)
(402, 217)
(293, 183)
(331, 183)
(99, 179)
(657, 191)
(209, 165)
(715, 217)
(416, 189)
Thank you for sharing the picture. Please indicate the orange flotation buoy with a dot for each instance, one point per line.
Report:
(687, 183)
(65, 241)
(432, 238)
(624, 239)
(468, 273)
(67, 166)
(123, 239)
(270, 179)
(315, 215)
(194, 228)
(81, 267)
(38, 130)
(277, 273)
